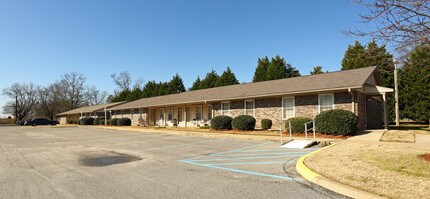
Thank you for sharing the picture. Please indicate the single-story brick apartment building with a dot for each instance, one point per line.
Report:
(357, 90)
(88, 111)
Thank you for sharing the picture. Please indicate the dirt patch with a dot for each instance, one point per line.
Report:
(425, 156)
(389, 169)
(398, 136)
(101, 159)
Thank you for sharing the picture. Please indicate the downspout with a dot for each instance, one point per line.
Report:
(352, 100)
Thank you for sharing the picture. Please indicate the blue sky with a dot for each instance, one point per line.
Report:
(154, 40)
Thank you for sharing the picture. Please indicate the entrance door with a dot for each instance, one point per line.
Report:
(188, 112)
(180, 115)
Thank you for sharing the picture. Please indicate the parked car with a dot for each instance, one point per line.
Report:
(22, 122)
(40, 121)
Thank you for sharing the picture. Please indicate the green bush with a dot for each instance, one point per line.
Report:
(336, 122)
(87, 121)
(266, 124)
(70, 121)
(124, 122)
(113, 122)
(243, 123)
(98, 119)
(221, 122)
(297, 124)
(102, 121)
(78, 121)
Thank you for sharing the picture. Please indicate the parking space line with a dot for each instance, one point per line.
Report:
(247, 158)
(180, 145)
(241, 171)
(256, 154)
(250, 163)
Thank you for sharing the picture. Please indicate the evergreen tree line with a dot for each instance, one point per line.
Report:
(150, 89)
(414, 76)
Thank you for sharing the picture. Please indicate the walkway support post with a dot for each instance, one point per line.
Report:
(384, 98)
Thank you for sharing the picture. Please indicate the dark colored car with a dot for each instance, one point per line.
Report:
(22, 122)
(40, 121)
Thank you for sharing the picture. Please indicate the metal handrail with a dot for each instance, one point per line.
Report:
(313, 129)
(289, 129)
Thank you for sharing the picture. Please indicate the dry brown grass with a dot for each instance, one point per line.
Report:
(393, 170)
(398, 136)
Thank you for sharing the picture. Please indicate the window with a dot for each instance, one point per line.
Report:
(161, 113)
(198, 112)
(210, 108)
(288, 109)
(169, 114)
(249, 107)
(225, 108)
(325, 102)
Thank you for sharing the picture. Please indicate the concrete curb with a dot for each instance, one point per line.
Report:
(332, 185)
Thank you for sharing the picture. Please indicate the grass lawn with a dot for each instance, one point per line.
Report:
(390, 169)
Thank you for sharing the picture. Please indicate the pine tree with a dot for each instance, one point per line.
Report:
(226, 78)
(291, 71)
(261, 70)
(414, 87)
(176, 85)
(196, 84)
(276, 69)
(150, 89)
(317, 70)
(209, 81)
(354, 57)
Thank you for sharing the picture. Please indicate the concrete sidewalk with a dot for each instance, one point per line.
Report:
(375, 136)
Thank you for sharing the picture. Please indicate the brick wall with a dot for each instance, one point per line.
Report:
(268, 108)
(306, 105)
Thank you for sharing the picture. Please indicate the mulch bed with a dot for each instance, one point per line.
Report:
(274, 133)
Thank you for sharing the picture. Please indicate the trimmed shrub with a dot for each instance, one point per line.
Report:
(336, 122)
(70, 121)
(98, 119)
(243, 123)
(297, 124)
(102, 121)
(113, 122)
(221, 122)
(124, 122)
(87, 121)
(266, 124)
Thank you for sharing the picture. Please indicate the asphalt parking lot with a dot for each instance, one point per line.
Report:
(80, 162)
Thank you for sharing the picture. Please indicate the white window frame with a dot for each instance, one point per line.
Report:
(201, 112)
(222, 108)
(253, 107)
(294, 107)
(319, 100)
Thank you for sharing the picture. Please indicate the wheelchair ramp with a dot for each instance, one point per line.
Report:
(298, 144)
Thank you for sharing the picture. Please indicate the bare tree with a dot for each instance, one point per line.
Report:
(22, 97)
(403, 23)
(47, 101)
(95, 96)
(123, 81)
(71, 90)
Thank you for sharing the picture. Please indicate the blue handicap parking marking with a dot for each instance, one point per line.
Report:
(254, 155)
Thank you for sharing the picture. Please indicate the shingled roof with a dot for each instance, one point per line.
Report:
(331, 81)
(91, 109)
